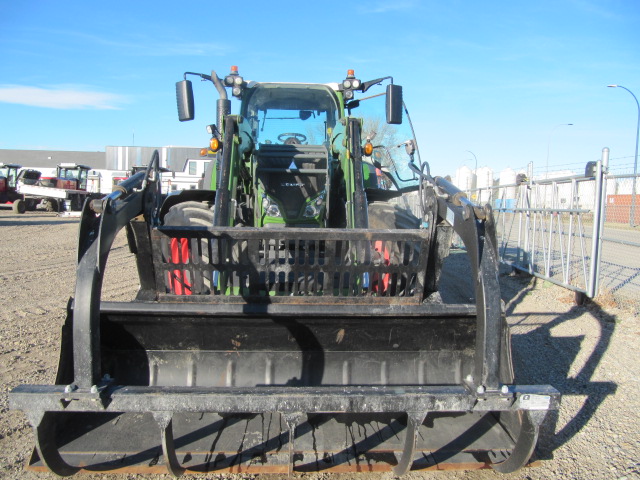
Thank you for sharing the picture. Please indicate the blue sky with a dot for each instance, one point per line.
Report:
(497, 78)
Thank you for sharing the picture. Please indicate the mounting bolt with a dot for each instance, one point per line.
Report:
(96, 205)
(94, 389)
(480, 389)
(69, 388)
(469, 378)
(505, 389)
(106, 377)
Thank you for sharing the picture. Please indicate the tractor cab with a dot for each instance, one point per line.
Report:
(11, 175)
(294, 155)
(290, 127)
(71, 176)
(8, 176)
(290, 114)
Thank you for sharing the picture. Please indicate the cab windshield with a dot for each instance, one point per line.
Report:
(290, 113)
(69, 174)
(9, 174)
(394, 146)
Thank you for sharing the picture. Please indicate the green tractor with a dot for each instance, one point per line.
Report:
(295, 158)
(288, 316)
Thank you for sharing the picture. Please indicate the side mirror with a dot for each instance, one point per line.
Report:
(394, 104)
(184, 97)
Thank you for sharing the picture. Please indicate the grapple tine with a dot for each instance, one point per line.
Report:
(165, 422)
(44, 431)
(414, 420)
(292, 420)
(525, 444)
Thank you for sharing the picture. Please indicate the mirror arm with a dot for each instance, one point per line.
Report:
(367, 85)
(201, 75)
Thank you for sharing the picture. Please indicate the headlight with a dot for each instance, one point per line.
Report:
(273, 211)
(350, 83)
(270, 207)
(313, 208)
(310, 211)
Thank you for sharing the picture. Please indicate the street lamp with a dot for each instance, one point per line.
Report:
(549, 141)
(632, 220)
(474, 156)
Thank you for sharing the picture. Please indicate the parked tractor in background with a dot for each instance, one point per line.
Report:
(8, 182)
(66, 192)
(288, 316)
(10, 175)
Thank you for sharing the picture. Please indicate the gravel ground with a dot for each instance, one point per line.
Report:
(590, 353)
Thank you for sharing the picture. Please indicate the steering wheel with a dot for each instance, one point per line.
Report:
(292, 138)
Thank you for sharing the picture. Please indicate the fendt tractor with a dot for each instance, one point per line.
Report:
(288, 317)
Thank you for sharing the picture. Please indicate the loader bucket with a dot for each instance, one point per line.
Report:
(281, 350)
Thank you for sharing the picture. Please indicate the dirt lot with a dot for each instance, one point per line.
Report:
(589, 353)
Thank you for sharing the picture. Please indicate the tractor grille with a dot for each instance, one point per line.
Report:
(229, 264)
(292, 174)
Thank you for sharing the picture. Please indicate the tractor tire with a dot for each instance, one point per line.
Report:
(175, 250)
(386, 216)
(190, 214)
(196, 214)
(19, 206)
(383, 215)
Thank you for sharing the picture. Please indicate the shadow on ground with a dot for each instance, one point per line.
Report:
(9, 219)
(540, 358)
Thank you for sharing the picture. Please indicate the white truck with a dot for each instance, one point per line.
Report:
(66, 192)
(103, 180)
(188, 179)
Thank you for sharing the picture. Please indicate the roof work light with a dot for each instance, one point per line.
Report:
(235, 81)
(350, 84)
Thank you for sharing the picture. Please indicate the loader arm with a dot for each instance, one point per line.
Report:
(476, 229)
(228, 165)
(101, 221)
(354, 130)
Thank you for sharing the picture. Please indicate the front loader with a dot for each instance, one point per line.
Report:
(288, 317)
